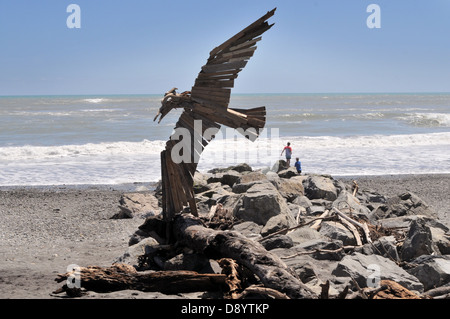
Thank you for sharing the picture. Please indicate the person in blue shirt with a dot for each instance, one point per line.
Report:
(298, 165)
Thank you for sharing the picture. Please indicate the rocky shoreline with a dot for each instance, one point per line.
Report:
(296, 218)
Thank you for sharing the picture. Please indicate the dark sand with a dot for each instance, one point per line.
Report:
(44, 230)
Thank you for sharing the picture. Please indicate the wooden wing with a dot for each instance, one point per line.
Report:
(213, 85)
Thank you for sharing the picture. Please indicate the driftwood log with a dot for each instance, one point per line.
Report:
(122, 277)
(269, 268)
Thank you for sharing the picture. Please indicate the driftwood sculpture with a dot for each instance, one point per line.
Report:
(205, 110)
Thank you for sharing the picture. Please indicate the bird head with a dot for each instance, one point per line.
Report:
(171, 100)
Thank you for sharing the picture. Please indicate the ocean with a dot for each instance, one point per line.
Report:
(112, 139)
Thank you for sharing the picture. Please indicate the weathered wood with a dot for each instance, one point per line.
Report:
(224, 66)
(440, 291)
(353, 229)
(233, 39)
(262, 291)
(317, 223)
(209, 97)
(245, 45)
(270, 269)
(215, 83)
(363, 226)
(121, 277)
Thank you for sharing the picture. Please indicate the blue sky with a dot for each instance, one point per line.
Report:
(148, 47)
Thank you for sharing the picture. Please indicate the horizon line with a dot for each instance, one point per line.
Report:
(255, 93)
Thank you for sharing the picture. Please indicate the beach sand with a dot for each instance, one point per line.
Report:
(44, 230)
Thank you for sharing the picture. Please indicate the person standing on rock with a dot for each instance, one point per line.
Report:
(288, 150)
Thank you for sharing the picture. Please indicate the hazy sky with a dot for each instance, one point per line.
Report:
(146, 47)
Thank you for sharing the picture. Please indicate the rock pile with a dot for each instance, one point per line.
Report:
(331, 234)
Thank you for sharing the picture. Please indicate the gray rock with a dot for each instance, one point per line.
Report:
(386, 246)
(405, 222)
(418, 242)
(214, 178)
(229, 201)
(441, 239)
(304, 234)
(320, 187)
(310, 270)
(192, 262)
(240, 188)
(368, 269)
(288, 173)
(432, 271)
(243, 167)
(140, 204)
(154, 226)
(276, 223)
(200, 183)
(302, 201)
(290, 189)
(330, 249)
(347, 202)
(335, 230)
(261, 202)
(131, 256)
(248, 229)
(248, 177)
(230, 178)
(279, 166)
(402, 205)
(278, 241)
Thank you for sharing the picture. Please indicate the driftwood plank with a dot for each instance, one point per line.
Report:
(224, 66)
(121, 277)
(230, 42)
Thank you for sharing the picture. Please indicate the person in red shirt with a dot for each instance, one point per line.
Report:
(288, 150)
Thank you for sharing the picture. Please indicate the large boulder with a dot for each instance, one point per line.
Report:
(418, 242)
(368, 269)
(139, 204)
(320, 187)
(290, 188)
(261, 202)
(432, 271)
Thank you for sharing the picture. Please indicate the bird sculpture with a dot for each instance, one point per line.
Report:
(205, 109)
